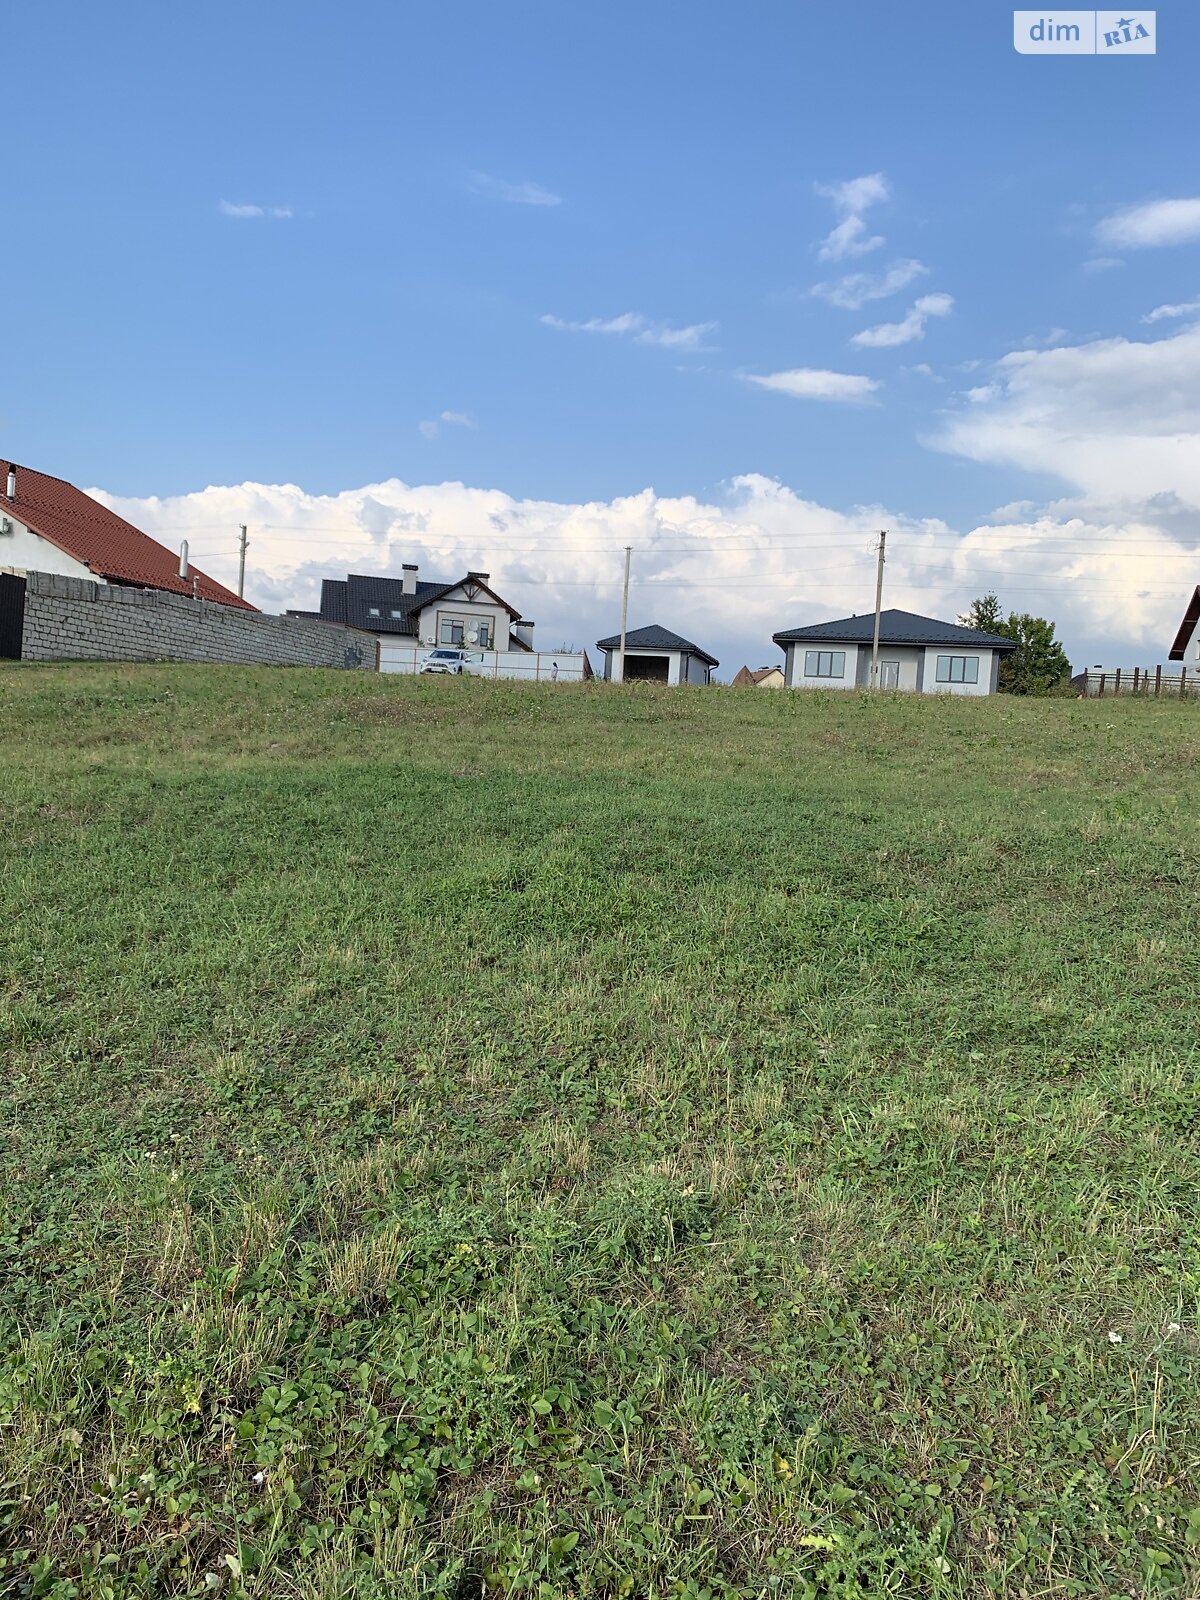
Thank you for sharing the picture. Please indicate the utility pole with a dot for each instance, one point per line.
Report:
(624, 613)
(242, 566)
(878, 606)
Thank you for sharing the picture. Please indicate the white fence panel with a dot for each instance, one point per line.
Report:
(531, 667)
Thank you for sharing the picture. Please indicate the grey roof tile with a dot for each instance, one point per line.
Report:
(895, 627)
(655, 638)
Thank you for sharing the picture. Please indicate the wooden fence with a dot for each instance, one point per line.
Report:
(1151, 682)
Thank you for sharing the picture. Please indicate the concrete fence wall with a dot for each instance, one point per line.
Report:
(75, 619)
(529, 667)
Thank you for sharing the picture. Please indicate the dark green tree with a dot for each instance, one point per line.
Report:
(985, 614)
(1039, 664)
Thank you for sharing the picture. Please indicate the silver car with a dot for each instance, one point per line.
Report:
(448, 661)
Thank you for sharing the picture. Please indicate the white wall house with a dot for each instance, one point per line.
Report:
(655, 655)
(407, 610)
(48, 525)
(916, 653)
(26, 551)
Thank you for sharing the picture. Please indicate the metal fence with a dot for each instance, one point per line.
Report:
(1150, 682)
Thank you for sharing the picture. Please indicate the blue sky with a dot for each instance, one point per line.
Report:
(332, 248)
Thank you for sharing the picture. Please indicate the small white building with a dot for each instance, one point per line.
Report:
(916, 653)
(656, 655)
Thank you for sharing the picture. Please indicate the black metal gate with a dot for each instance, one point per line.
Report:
(12, 616)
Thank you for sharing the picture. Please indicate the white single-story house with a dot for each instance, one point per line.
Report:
(656, 655)
(915, 653)
(1188, 636)
(466, 612)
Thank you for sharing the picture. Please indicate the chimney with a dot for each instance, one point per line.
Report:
(524, 631)
(11, 491)
(482, 576)
(408, 578)
(183, 559)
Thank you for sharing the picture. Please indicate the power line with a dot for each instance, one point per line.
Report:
(923, 544)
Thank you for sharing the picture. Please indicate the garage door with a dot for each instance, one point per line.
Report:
(646, 669)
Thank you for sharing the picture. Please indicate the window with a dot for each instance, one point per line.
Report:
(958, 669)
(824, 663)
(372, 611)
(456, 630)
(396, 614)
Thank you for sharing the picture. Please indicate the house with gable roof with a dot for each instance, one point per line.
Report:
(48, 525)
(464, 612)
(654, 654)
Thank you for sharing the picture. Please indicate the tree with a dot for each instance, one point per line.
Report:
(1039, 664)
(985, 614)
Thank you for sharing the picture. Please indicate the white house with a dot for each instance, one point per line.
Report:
(915, 653)
(656, 655)
(466, 612)
(1187, 641)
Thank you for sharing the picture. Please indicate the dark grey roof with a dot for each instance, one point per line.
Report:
(387, 595)
(350, 600)
(895, 627)
(333, 600)
(656, 638)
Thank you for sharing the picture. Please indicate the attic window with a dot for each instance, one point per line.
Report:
(372, 611)
(396, 613)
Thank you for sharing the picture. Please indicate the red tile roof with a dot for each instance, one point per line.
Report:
(106, 544)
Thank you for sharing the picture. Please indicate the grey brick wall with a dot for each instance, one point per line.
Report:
(74, 619)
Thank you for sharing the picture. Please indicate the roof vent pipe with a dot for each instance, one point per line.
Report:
(183, 561)
(11, 491)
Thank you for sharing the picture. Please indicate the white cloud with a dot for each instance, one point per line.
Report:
(689, 338)
(857, 288)
(849, 238)
(627, 322)
(1162, 313)
(1158, 222)
(643, 330)
(230, 209)
(887, 334)
(851, 200)
(856, 194)
(814, 383)
(1051, 336)
(1116, 418)
(431, 427)
(513, 194)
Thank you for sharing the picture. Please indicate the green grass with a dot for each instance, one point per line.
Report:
(594, 1142)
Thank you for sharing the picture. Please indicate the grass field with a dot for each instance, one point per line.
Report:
(459, 1139)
